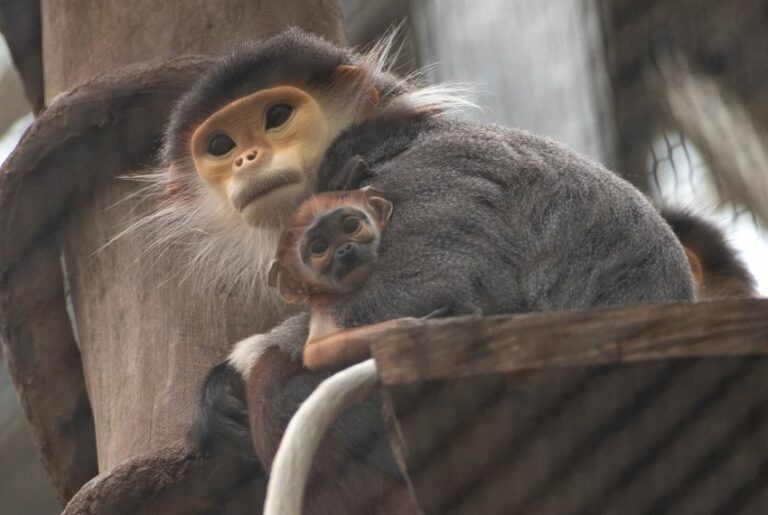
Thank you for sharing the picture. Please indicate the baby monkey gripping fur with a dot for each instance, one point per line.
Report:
(328, 249)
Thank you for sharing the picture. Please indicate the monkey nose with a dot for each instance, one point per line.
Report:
(344, 249)
(246, 158)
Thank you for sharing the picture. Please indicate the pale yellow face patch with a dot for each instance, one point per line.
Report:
(265, 170)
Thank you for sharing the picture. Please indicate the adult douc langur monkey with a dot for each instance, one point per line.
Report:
(486, 219)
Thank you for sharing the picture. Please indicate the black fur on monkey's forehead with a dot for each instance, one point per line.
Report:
(291, 57)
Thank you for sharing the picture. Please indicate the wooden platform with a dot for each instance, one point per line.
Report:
(643, 410)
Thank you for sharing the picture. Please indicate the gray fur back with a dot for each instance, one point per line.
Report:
(498, 220)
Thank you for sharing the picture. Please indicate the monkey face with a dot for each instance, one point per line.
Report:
(340, 248)
(330, 245)
(261, 152)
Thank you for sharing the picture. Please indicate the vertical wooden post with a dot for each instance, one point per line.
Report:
(146, 339)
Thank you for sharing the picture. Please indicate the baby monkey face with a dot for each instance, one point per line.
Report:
(330, 245)
(341, 247)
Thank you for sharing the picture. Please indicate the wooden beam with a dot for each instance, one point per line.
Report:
(644, 409)
(81, 38)
(453, 348)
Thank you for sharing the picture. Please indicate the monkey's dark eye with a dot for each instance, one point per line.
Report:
(277, 115)
(220, 144)
(350, 225)
(317, 247)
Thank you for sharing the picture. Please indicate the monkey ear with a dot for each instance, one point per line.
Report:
(290, 289)
(281, 278)
(349, 74)
(383, 209)
(274, 272)
(174, 186)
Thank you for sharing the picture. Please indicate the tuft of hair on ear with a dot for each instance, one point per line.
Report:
(411, 92)
(272, 275)
(381, 57)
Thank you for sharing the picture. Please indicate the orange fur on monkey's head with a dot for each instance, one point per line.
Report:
(330, 244)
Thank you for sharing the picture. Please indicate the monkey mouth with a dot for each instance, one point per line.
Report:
(355, 275)
(262, 186)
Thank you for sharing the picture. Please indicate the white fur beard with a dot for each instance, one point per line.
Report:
(215, 246)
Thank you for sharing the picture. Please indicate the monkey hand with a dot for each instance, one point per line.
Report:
(444, 312)
(351, 176)
(222, 421)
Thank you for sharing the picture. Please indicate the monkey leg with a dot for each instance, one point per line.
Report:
(354, 471)
(349, 346)
(222, 435)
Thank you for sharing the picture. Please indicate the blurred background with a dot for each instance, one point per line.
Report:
(671, 94)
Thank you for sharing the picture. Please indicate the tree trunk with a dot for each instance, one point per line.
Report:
(146, 338)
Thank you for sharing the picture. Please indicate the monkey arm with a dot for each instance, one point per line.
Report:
(246, 405)
(222, 411)
(354, 470)
(348, 346)
(222, 419)
(222, 423)
(221, 429)
(276, 383)
(221, 434)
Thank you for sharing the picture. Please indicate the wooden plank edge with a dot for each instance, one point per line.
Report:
(463, 347)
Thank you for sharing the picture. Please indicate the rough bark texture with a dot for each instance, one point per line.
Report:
(105, 127)
(650, 409)
(52, 169)
(24, 484)
(454, 348)
(44, 364)
(146, 341)
(81, 37)
(174, 480)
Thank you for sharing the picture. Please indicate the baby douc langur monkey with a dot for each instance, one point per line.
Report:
(329, 249)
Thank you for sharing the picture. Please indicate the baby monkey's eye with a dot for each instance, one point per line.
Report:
(277, 115)
(350, 225)
(220, 144)
(317, 247)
